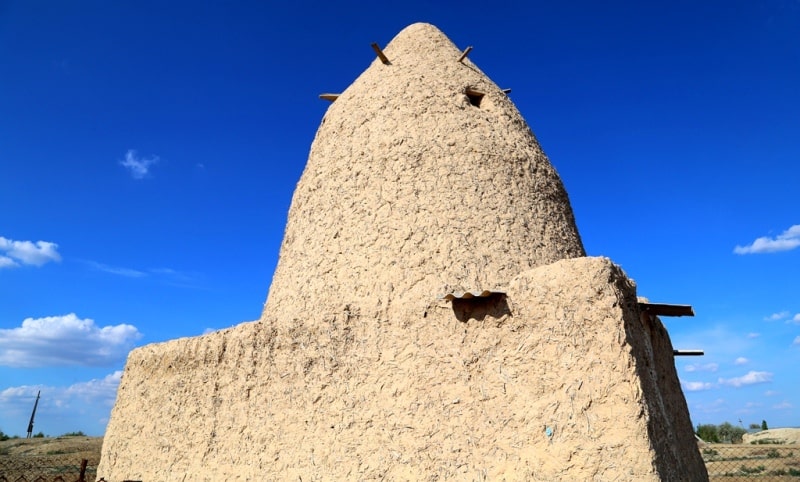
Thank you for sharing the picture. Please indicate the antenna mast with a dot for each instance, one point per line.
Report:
(33, 414)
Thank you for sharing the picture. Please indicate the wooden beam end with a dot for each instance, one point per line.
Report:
(465, 53)
(380, 53)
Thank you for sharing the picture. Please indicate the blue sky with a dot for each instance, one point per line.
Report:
(149, 150)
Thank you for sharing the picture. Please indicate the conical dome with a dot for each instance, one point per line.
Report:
(417, 185)
(423, 178)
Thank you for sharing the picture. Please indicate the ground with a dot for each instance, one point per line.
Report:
(768, 455)
(780, 461)
(49, 457)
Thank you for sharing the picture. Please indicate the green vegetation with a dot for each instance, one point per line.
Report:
(723, 433)
(767, 441)
(3, 436)
(708, 433)
(752, 470)
(74, 434)
(764, 425)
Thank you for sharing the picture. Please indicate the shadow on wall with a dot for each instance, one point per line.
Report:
(479, 307)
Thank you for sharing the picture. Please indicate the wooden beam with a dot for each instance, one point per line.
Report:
(330, 97)
(506, 91)
(660, 309)
(380, 53)
(465, 53)
(688, 352)
(470, 91)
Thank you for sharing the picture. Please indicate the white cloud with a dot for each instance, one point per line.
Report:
(751, 378)
(696, 386)
(91, 390)
(753, 335)
(139, 167)
(771, 393)
(65, 340)
(741, 361)
(796, 341)
(84, 406)
(13, 253)
(105, 389)
(796, 318)
(784, 405)
(785, 241)
(698, 367)
(777, 316)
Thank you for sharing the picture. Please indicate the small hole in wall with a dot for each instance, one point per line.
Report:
(474, 97)
(479, 308)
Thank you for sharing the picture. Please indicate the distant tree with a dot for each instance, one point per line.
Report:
(3, 436)
(708, 433)
(729, 433)
(764, 425)
(39, 435)
(754, 426)
(74, 434)
(737, 436)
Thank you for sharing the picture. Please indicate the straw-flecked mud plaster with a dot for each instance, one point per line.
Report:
(416, 186)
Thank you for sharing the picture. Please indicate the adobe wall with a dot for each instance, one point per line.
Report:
(345, 397)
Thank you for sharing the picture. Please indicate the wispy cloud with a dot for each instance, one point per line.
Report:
(751, 378)
(176, 278)
(700, 367)
(166, 276)
(750, 407)
(796, 341)
(741, 361)
(784, 405)
(785, 241)
(139, 167)
(753, 335)
(716, 406)
(127, 272)
(15, 253)
(796, 318)
(65, 340)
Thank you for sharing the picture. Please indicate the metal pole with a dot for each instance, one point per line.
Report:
(33, 414)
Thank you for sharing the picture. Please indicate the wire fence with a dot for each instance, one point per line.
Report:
(764, 462)
(41, 469)
(724, 462)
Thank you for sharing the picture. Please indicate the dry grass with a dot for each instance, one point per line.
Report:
(49, 457)
(730, 463)
(725, 462)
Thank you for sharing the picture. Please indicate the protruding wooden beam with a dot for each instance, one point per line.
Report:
(688, 352)
(380, 53)
(465, 53)
(330, 97)
(471, 91)
(506, 91)
(660, 309)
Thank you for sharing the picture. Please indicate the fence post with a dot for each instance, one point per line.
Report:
(82, 475)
